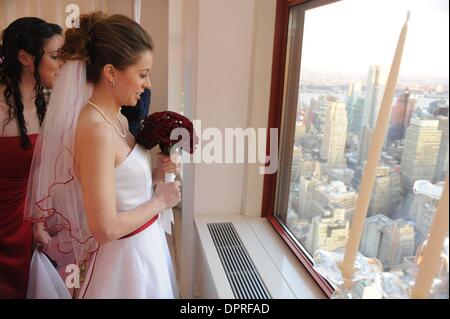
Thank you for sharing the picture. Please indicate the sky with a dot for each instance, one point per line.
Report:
(350, 35)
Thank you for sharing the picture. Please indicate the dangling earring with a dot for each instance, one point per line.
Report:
(113, 83)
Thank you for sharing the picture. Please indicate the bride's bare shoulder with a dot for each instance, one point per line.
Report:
(91, 128)
(87, 114)
(93, 140)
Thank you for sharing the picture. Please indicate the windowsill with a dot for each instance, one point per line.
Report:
(279, 268)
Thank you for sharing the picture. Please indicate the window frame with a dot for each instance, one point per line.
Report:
(277, 119)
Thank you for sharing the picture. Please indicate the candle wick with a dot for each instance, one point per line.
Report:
(408, 15)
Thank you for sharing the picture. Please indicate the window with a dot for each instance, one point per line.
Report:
(331, 62)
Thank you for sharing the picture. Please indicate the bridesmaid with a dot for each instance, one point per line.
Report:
(29, 62)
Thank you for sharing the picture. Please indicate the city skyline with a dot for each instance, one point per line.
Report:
(324, 190)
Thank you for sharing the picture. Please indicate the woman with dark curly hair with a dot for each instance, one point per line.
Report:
(29, 62)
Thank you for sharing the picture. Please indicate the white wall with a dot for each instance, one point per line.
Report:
(259, 97)
(176, 50)
(227, 64)
(224, 63)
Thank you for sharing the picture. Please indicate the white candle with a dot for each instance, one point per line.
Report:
(362, 204)
(430, 263)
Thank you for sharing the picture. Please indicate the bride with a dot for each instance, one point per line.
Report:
(90, 193)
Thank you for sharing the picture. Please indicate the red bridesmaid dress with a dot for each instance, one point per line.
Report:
(15, 233)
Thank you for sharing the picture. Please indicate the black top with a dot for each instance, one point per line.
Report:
(136, 114)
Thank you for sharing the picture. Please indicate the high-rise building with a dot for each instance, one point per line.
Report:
(374, 228)
(308, 165)
(296, 158)
(353, 93)
(423, 207)
(388, 240)
(335, 135)
(355, 114)
(300, 125)
(401, 116)
(328, 232)
(442, 160)
(397, 243)
(438, 108)
(364, 145)
(313, 116)
(376, 82)
(342, 174)
(320, 111)
(386, 191)
(306, 186)
(336, 192)
(420, 153)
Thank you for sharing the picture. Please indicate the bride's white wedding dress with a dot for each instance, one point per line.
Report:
(138, 266)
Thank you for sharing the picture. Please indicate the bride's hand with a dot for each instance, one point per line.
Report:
(168, 194)
(41, 238)
(167, 165)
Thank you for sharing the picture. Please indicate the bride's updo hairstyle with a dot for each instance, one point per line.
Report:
(102, 40)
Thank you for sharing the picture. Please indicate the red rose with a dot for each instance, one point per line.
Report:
(157, 129)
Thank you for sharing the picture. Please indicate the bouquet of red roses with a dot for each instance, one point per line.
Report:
(157, 130)
(158, 127)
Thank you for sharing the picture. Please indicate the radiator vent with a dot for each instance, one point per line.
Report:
(242, 275)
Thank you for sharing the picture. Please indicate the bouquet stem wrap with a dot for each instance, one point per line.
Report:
(157, 130)
(166, 217)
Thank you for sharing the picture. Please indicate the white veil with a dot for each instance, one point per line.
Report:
(54, 194)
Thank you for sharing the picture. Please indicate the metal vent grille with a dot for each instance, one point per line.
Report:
(243, 277)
